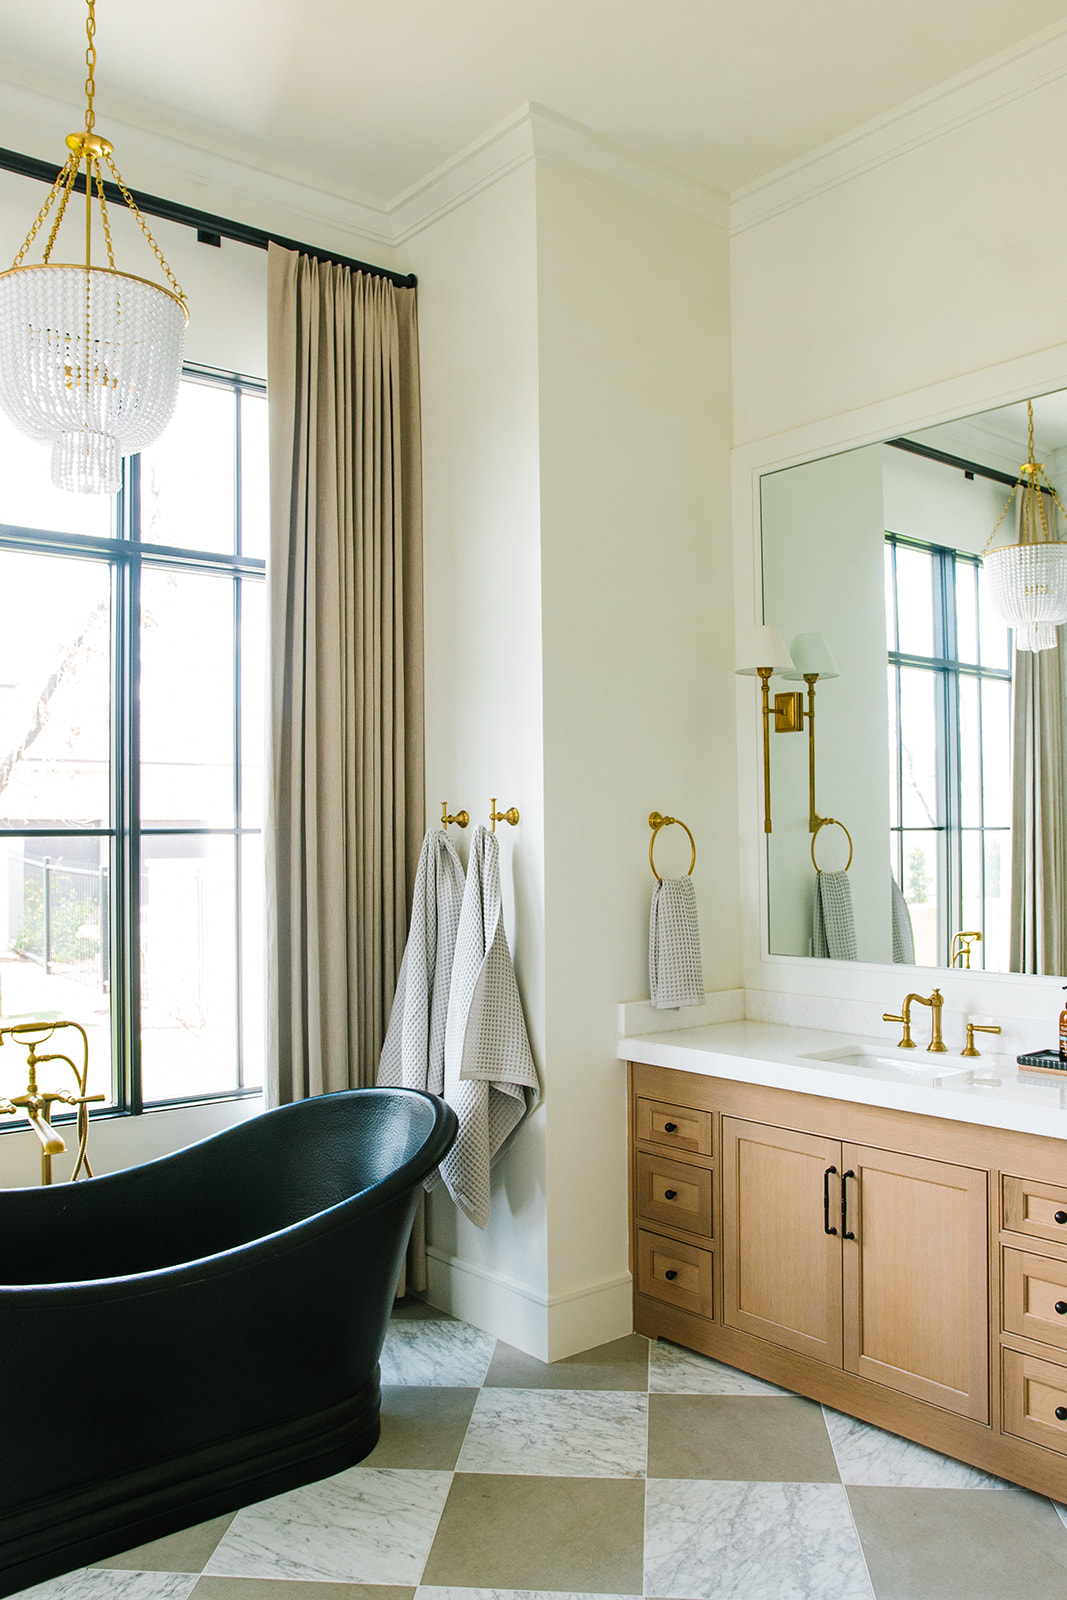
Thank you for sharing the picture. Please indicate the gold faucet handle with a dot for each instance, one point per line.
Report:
(977, 1027)
(906, 1040)
(888, 1016)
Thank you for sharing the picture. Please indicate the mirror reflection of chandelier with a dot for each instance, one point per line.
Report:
(90, 357)
(1028, 580)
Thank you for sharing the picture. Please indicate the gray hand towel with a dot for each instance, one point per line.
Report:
(413, 1055)
(675, 968)
(833, 926)
(903, 934)
(490, 1078)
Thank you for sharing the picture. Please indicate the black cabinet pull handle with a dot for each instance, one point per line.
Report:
(1061, 1308)
(672, 1194)
(826, 1228)
(846, 1232)
(1060, 1217)
(1061, 1413)
(672, 1127)
(672, 1274)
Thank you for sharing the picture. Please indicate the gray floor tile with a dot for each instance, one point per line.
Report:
(622, 1364)
(582, 1535)
(428, 1592)
(961, 1544)
(866, 1455)
(754, 1440)
(412, 1309)
(557, 1432)
(751, 1541)
(186, 1551)
(422, 1427)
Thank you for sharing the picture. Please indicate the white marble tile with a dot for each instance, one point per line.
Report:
(109, 1583)
(366, 1525)
(752, 1541)
(450, 1355)
(1061, 1511)
(430, 1592)
(868, 1456)
(673, 1370)
(576, 1433)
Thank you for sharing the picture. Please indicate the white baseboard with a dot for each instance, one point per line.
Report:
(548, 1327)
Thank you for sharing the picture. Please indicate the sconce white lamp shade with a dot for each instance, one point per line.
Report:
(763, 647)
(811, 654)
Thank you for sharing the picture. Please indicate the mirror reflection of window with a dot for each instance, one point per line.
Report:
(950, 751)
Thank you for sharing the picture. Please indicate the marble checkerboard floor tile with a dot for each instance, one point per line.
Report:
(631, 1472)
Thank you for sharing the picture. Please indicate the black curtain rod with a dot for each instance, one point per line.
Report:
(205, 223)
(974, 469)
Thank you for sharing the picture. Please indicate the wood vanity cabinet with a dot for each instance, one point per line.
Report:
(906, 1269)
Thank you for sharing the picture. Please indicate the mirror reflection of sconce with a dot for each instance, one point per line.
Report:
(812, 660)
(764, 654)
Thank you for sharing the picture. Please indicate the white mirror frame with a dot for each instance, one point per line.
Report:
(840, 994)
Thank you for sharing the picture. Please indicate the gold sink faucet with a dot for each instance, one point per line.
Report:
(935, 1001)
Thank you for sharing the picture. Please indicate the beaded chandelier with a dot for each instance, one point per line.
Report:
(90, 357)
(1028, 580)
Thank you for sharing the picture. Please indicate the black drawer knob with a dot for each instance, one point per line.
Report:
(672, 1127)
(1061, 1308)
(672, 1194)
(672, 1274)
(1061, 1413)
(1060, 1217)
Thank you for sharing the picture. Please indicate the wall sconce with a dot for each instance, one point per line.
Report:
(812, 660)
(763, 655)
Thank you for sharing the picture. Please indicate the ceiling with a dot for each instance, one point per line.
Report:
(363, 100)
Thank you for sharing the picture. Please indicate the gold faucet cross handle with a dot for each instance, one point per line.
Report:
(969, 1048)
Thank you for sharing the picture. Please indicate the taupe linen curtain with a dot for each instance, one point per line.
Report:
(1039, 812)
(345, 787)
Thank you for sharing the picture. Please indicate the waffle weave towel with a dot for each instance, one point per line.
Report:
(833, 926)
(490, 1077)
(675, 968)
(413, 1055)
(903, 934)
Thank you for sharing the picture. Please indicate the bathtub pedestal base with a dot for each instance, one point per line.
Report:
(105, 1519)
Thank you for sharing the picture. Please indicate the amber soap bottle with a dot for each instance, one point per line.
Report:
(1063, 1031)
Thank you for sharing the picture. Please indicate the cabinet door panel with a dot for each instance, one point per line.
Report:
(781, 1270)
(916, 1277)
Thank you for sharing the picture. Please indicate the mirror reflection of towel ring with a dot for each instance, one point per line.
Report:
(831, 822)
(656, 822)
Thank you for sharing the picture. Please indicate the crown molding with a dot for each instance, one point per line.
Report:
(30, 122)
(1036, 62)
(533, 133)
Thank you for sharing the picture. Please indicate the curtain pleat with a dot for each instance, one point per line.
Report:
(1039, 812)
(345, 794)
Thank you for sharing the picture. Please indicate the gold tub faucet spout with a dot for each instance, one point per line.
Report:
(935, 1001)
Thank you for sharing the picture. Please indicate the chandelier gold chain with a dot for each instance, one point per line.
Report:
(143, 225)
(71, 171)
(90, 62)
(104, 216)
(41, 215)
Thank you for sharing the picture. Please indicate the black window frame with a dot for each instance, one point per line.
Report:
(128, 558)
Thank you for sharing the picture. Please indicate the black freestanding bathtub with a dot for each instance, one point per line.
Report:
(203, 1331)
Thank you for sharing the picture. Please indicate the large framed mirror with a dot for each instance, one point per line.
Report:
(940, 745)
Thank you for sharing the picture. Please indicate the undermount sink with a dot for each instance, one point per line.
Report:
(917, 1063)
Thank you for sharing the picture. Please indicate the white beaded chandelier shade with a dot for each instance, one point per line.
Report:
(1028, 580)
(90, 357)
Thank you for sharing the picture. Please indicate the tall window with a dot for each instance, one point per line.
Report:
(131, 720)
(949, 750)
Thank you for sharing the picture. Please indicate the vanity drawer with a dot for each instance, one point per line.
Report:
(1034, 1391)
(673, 1192)
(678, 1273)
(1035, 1297)
(658, 1122)
(1037, 1209)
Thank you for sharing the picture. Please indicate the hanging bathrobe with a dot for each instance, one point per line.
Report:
(490, 1078)
(413, 1055)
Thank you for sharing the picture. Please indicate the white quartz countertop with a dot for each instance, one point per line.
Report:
(990, 1090)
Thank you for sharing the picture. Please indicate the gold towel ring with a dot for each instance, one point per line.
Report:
(831, 822)
(656, 822)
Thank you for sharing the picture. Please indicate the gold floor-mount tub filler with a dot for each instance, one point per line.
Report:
(37, 1103)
